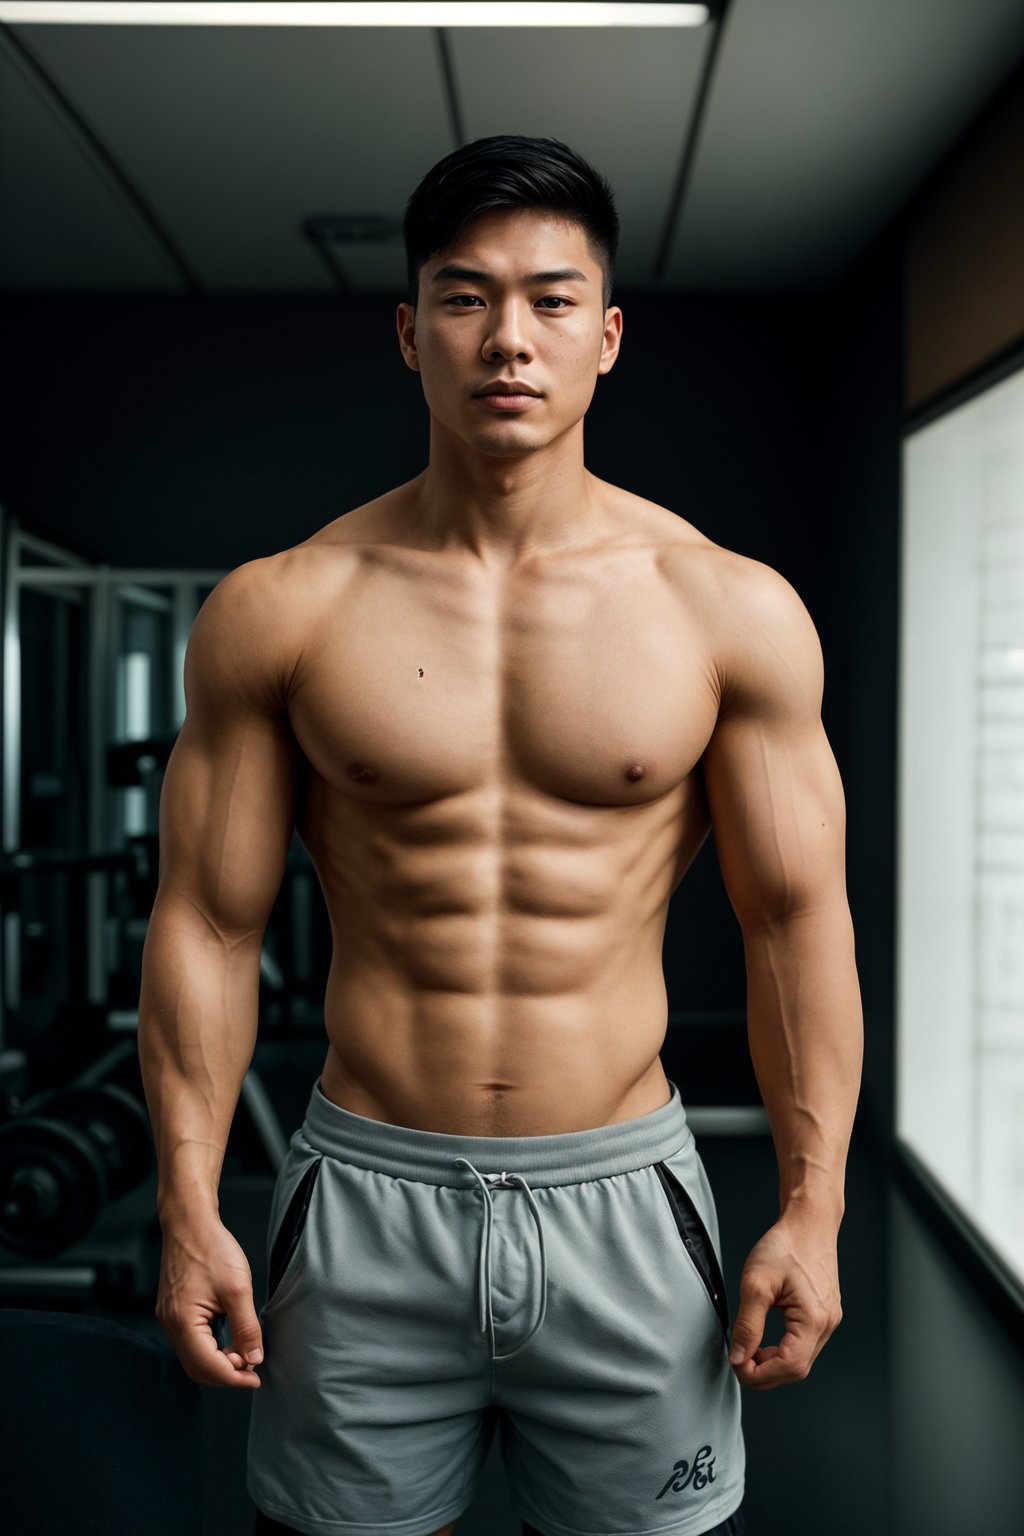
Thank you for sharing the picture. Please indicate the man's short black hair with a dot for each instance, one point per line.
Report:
(509, 171)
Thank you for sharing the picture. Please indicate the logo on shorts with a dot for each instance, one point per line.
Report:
(696, 1476)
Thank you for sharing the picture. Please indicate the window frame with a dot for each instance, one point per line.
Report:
(993, 1278)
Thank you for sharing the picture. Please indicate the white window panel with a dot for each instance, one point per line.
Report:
(960, 1033)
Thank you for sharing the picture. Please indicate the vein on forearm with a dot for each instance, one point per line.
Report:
(805, 1034)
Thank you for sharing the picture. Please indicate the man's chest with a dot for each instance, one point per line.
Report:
(587, 690)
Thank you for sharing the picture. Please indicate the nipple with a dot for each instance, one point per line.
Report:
(635, 772)
(362, 773)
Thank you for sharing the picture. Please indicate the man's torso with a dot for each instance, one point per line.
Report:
(501, 791)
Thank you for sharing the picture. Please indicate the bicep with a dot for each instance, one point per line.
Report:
(773, 787)
(228, 799)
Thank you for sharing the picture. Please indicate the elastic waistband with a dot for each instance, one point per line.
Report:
(428, 1157)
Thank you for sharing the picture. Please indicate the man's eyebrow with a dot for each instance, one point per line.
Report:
(471, 275)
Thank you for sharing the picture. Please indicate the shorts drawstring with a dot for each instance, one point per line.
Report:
(507, 1180)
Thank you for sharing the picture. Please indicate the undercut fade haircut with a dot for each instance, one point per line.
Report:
(509, 171)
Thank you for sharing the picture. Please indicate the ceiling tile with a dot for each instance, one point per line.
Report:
(822, 118)
(65, 224)
(235, 135)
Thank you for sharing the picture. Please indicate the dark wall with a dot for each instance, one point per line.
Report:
(175, 431)
(194, 432)
(957, 1403)
(860, 625)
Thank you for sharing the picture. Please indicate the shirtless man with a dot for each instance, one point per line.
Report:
(503, 704)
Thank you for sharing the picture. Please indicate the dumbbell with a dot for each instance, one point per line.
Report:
(63, 1157)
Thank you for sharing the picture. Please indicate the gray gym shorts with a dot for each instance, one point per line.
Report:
(426, 1288)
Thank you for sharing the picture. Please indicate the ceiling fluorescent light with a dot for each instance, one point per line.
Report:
(420, 13)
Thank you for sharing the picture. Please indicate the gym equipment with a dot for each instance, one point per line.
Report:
(68, 1153)
(15, 864)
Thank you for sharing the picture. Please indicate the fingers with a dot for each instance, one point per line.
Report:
(245, 1329)
(756, 1297)
(202, 1357)
(777, 1365)
(203, 1360)
(774, 1365)
(793, 1268)
(206, 1282)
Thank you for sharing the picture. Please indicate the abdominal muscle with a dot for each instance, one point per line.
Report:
(491, 1065)
(488, 990)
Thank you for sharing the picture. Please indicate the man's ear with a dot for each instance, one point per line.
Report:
(405, 319)
(612, 338)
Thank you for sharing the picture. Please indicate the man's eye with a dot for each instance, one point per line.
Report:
(467, 300)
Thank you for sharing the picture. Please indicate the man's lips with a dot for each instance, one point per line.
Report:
(508, 395)
(509, 387)
(499, 402)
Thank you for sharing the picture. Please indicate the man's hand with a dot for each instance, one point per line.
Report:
(205, 1275)
(793, 1267)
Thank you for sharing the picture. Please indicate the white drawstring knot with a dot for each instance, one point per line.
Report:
(509, 1181)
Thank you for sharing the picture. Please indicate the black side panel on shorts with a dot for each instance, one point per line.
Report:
(290, 1229)
(697, 1242)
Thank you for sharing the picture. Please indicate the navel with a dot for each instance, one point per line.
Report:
(362, 773)
(635, 771)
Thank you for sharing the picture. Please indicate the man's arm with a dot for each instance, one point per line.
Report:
(778, 816)
(226, 818)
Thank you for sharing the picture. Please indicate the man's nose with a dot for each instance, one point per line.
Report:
(508, 335)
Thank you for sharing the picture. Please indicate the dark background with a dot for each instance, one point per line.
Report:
(206, 431)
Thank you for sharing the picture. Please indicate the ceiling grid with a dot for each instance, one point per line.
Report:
(820, 119)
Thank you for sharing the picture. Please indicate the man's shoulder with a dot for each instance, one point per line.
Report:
(686, 549)
(737, 587)
(768, 653)
(264, 612)
(286, 588)
(253, 625)
(259, 597)
(761, 641)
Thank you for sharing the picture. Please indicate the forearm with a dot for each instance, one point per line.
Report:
(805, 1028)
(198, 1015)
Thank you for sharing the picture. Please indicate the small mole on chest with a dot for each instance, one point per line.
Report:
(362, 773)
(635, 771)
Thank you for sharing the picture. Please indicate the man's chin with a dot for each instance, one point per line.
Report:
(508, 450)
(498, 439)
(507, 443)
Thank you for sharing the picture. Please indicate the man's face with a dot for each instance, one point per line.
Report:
(510, 321)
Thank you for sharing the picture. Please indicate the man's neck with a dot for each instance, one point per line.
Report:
(503, 510)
